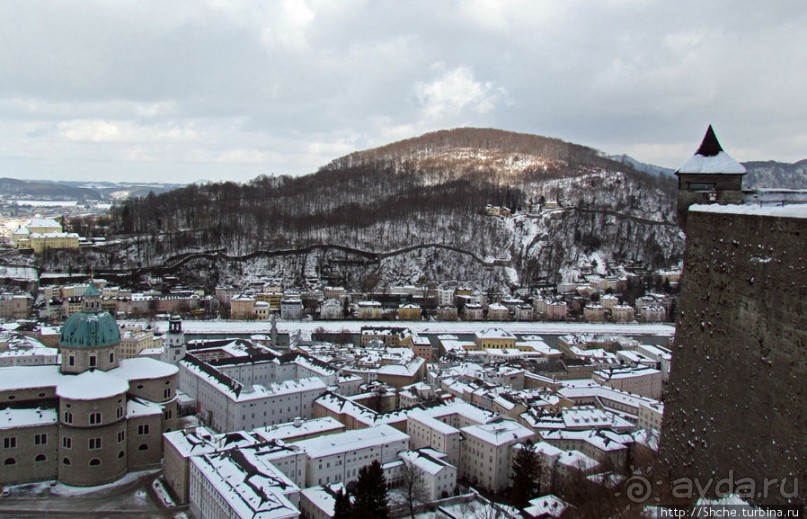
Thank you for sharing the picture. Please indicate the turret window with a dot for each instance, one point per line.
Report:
(95, 443)
(68, 417)
(95, 462)
(95, 418)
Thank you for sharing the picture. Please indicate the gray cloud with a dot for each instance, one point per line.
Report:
(219, 89)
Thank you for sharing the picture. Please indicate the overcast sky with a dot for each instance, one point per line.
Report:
(186, 90)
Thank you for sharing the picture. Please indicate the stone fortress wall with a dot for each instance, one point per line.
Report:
(737, 399)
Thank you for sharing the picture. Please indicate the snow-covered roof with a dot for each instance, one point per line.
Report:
(548, 450)
(291, 431)
(138, 407)
(425, 462)
(781, 211)
(250, 486)
(140, 368)
(577, 460)
(499, 433)
(14, 418)
(591, 437)
(28, 377)
(351, 440)
(43, 222)
(623, 373)
(722, 163)
(546, 506)
(711, 159)
(199, 440)
(91, 385)
(323, 497)
(495, 333)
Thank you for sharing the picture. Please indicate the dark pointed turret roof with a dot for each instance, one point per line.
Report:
(710, 159)
(710, 145)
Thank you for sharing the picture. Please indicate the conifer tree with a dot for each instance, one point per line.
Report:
(526, 475)
(370, 493)
(343, 509)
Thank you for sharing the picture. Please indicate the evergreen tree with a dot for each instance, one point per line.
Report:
(526, 475)
(343, 509)
(370, 494)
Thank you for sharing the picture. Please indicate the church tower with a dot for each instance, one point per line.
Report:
(174, 348)
(710, 176)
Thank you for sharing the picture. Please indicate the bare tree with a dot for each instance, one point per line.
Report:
(414, 484)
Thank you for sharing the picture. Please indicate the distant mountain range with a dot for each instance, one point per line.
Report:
(80, 191)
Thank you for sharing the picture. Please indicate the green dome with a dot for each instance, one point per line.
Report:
(90, 330)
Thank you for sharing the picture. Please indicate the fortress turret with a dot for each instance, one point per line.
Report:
(710, 176)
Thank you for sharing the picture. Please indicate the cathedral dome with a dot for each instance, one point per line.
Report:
(90, 330)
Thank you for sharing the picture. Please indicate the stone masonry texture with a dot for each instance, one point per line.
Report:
(737, 398)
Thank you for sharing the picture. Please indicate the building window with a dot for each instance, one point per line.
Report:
(95, 418)
(93, 361)
(111, 358)
(41, 439)
(10, 443)
(40, 458)
(95, 462)
(10, 461)
(66, 461)
(142, 429)
(121, 436)
(167, 392)
(71, 361)
(67, 443)
(95, 443)
(120, 454)
(68, 417)
(12, 397)
(142, 447)
(120, 412)
(168, 414)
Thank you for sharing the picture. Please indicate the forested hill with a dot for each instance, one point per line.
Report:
(572, 205)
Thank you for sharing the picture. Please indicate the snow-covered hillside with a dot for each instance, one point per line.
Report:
(410, 212)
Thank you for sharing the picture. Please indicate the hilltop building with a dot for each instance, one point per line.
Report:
(90, 419)
(43, 233)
